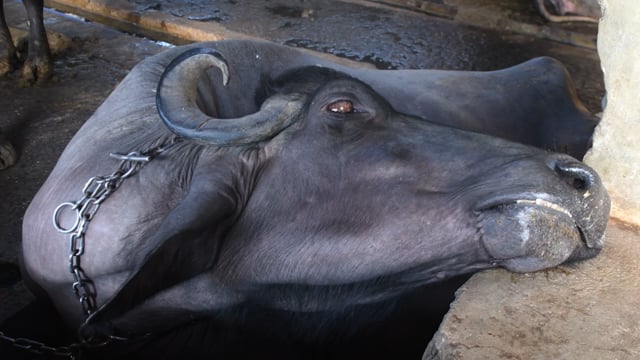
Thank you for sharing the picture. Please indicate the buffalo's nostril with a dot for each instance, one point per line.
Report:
(576, 174)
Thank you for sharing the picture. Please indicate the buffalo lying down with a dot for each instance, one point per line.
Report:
(300, 187)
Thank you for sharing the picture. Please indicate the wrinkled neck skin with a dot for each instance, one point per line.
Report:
(378, 213)
(339, 276)
(357, 234)
(353, 228)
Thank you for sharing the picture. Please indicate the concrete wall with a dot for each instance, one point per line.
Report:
(616, 150)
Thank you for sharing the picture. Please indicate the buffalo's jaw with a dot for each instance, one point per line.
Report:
(532, 232)
(332, 270)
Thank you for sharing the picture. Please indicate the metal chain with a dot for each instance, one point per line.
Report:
(39, 348)
(94, 192)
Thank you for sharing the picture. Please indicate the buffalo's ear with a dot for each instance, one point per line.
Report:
(186, 243)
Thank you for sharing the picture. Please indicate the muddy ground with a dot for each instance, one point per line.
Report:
(40, 120)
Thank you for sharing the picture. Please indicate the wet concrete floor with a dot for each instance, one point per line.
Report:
(387, 37)
(41, 120)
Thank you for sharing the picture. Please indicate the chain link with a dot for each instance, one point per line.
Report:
(94, 193)
(37, 347)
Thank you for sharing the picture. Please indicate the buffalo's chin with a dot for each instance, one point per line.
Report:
(531, 235)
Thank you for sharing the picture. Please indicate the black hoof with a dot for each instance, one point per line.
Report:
(7, 153)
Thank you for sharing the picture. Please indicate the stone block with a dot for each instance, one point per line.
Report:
(581, 311)
(616, 148)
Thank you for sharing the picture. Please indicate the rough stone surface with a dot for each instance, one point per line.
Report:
(616, 151)
(587, 310)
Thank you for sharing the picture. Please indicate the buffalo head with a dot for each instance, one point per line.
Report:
(315, 196)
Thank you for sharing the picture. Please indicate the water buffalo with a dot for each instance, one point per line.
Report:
(282, 183)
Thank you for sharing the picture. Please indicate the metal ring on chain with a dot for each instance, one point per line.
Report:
(56, 217)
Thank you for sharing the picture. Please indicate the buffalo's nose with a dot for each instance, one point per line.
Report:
(590, 208)
(573, 172)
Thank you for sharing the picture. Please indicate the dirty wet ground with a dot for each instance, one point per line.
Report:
(41, 120)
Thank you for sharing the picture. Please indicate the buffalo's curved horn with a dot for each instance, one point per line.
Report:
(176, 102)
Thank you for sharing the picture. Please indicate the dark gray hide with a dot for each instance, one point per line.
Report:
(348, 203)
(533, 103)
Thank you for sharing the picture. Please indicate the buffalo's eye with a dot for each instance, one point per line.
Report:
(341, 107)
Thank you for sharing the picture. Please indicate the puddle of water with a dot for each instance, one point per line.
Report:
(371, 58)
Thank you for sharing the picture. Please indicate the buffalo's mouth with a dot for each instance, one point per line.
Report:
(530, 234)
(544, 204)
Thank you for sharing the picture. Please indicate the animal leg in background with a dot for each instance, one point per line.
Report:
(8, 60)
(37, 66)
(7, 153)
(8, 57)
